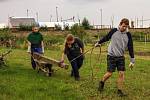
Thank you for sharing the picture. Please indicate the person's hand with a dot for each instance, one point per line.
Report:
(29, 49)
(43, 50)
(62, 60)
(82, 55)
(131, 65)
(97, 44)
(62, 63)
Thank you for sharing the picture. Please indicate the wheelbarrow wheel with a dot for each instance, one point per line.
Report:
(48, 70)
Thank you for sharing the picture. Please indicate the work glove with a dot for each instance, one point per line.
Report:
(131, 65)
(132, 61)
(97, 44)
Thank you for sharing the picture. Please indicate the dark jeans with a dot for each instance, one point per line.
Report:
(38, 50)
(76, 65)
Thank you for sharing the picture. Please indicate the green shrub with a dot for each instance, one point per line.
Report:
(78, 31)
(6, 29)
(66, 28)
(57, 27)
(43, 28)
(26, 27)
(86, 24)
(53, 41)
(5, 35)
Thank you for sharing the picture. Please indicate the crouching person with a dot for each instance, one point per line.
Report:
(73, 48)
(35, 44)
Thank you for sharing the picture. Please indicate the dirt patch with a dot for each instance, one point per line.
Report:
(142, 53)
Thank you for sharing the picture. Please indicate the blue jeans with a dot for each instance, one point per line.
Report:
(76, 65)
(37, 50)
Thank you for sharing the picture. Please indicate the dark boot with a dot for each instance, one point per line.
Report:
(120, 93)
(34, 67)
(77, 78)
(101, 86)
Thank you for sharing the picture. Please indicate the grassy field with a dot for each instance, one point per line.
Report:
(20, 82)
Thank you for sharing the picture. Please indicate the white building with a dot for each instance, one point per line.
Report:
(61, 24)
(15, 22)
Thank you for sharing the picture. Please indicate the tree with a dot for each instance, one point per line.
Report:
(78, 31)
(86, 24)
(58, 27)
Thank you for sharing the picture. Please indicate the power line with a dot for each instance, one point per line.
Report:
(144, 20)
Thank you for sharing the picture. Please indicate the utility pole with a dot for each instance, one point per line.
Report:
(73, 18)
(142, 21)
(112, 21)
(78, 18)
(37, 16)
(8, 21)
(27, 13)
(101, 17)
(137, 22)
(57, 13)
(61, 19)
(50, 18)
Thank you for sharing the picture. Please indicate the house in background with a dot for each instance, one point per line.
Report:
(15, 22)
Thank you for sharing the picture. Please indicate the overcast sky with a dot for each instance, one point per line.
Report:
(78, 8)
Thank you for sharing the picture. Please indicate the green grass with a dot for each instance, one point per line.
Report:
(20, 82)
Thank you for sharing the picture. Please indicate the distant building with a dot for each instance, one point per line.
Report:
(60, 24)
(15, 22)
(102, 26)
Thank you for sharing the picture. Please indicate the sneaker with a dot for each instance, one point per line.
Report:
(101, 86)
(121, 94)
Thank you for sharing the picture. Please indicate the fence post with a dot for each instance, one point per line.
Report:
(145, 39)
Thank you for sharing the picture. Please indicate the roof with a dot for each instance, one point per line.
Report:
(17, 21)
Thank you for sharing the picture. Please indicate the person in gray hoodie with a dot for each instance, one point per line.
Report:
(120, 39)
